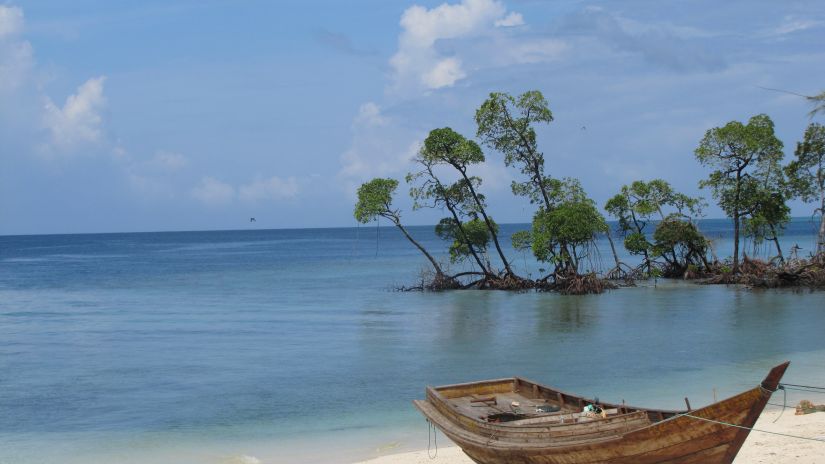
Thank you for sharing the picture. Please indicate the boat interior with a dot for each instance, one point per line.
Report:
(520, 402)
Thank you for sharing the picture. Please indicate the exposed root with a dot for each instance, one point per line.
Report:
(756, 273)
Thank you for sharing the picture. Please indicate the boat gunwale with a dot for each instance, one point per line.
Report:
(528, 428)
(436, 391)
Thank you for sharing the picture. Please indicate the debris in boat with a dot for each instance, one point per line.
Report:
(806, 407)
(547, 408)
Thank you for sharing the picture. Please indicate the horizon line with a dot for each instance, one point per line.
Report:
(793, 219)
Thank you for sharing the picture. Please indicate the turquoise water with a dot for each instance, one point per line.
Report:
(290, 345)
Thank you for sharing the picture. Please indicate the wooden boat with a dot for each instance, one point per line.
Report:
(514, 420)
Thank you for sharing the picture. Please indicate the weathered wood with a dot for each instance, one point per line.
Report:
(637, 436)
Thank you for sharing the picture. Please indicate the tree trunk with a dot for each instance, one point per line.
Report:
(778, 248)
(470, 246)
(820, 243)
(452, 211)
(613, 248)
(437, 268)
(736, 242)
(487, 221)
(736, 208)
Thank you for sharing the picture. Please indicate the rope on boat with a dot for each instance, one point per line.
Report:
(784, 401)
(804, 388)
(431, 427)
(821, 440)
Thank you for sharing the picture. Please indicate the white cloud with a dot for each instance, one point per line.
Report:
(511, 20)
(168, 161)
(78, 121)
(444, 74)
(479, 34)
(11, 21)
(376, 149)
(212, 192)
(273, 188)
(15, 54)
(792, 24)
(663, 44)
(417, 64)
(369, 114)
(534, 51)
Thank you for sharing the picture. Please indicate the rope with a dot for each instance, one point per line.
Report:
(430, 427)
(804, 388)
(822, 440)
(784, 402)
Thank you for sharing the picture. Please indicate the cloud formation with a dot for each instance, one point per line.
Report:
(660, 44)
(16, 57)
(79, 120)
(379, 147)
(273, 188)
(212, 192)
(418, 64)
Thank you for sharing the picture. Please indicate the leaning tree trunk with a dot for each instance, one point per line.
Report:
(435, 264)
(451, 209)
(736, 243)
(487, 221)
(778, 248)
(736, 223)
(613, 248)
(820, 243)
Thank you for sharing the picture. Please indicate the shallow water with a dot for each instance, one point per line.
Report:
(207, 346)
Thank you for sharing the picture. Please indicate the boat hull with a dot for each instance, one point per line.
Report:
(682, 438)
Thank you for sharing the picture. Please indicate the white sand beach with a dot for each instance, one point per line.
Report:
(759, 448)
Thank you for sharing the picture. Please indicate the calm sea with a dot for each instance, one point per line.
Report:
(291, 346)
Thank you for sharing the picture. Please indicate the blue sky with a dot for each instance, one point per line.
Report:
(155, 115)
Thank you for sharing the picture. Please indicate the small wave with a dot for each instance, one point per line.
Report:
(25, 260)
(242, 459)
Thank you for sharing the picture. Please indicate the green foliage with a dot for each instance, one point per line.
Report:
(636, 243)
(375, 199)
(747, 177)
(573, 223)
(737, 152)
(679, 242)
(473, 232)
(506, 124)
(427, 191)
(637, 204)
(449, 147)
(769, 216)
(806, 173)
(446, 147)
(522, 240)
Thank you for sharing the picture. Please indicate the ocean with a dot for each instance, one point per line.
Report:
(291, 346)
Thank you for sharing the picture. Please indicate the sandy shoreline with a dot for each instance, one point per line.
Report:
(759, 448)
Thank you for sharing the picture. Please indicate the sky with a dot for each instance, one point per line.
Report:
(197, 115)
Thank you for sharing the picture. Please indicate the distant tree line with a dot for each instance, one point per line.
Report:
(747, 180)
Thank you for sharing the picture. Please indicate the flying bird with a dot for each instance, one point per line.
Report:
(252, 219)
